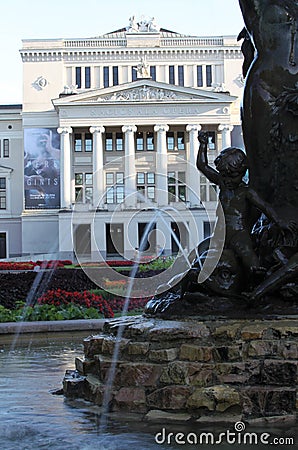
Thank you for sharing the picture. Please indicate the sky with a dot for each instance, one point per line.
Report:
(36, 19)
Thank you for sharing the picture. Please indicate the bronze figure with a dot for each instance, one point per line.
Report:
(258, 267)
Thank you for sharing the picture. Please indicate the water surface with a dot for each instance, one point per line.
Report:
(34, 419)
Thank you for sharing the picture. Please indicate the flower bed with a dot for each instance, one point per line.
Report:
(86, 299)
(30, 265)
(29, 285)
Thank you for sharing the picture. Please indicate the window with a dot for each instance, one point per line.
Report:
(119, 178)
(170, 141)
(78, 143)
(139, 141)
(181, 75)
(83, 187)
(109, 178)
(208, 191)
(209, 76)
(79, 77)
(140, 178)
(119, 194)
(144, 141)
(150, 178)
(150, 141)
(199, 76)
(211, 140)
(6, 148)
(78, 179)
(109, 142)
(175, 141)
(83, 142)
(119, 142)
(180, 140)
(146, 186)
(134, 75)
(114, 142)
(2, 193)
(88, 142)
(110, 195)
(153, 72)
(88, 179)
(171, 74)
(176, 187)
(87, 78)
(106, 78)
(115, 192)
(115, 76)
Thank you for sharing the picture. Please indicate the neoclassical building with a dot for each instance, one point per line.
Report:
(103, 148)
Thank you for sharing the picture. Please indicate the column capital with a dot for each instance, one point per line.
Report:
(225, 127)
(129, 129)
(97, 129)
(193, 128)
(161, 128)
(64, 130)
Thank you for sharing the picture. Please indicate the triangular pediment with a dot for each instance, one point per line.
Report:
(144, 90)
(5, 170)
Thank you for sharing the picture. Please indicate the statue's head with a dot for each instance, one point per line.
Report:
(232, 164)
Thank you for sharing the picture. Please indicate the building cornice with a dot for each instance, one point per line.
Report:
(114, 48)
(131, 55)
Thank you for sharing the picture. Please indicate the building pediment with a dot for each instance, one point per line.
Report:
(5, 170)
(144, 90)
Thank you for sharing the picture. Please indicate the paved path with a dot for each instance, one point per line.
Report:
(57, 325)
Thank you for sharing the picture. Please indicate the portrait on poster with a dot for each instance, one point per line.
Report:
(41, 168)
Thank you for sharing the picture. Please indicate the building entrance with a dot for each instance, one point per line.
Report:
(147, 237)
(114, 239)
(3, 253)
(178, 234)
(82, 240)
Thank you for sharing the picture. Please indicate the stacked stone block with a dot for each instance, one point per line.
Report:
(211, 370)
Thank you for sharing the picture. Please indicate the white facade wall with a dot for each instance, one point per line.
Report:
(53, 101)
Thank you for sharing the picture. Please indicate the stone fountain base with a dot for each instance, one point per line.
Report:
(216, 370)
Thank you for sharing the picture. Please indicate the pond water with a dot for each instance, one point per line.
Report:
(34, 419)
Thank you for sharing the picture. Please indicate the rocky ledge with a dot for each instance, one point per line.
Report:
(191, 370)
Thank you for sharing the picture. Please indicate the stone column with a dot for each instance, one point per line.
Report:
(194, 76)
(65, 167)
(193, 176)
(98, 175)
(226, 134)
(130, 169)
(161, 165)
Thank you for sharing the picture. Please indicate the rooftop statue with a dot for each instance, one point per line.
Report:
(143, 26)
(133, 26)
(257, 259)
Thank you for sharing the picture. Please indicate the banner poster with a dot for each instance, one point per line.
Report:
(42, 168)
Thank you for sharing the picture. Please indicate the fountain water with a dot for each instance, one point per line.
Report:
(158, 213)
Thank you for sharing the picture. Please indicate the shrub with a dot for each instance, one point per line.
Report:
(160, 263)
(48, 312)
(6, 315)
